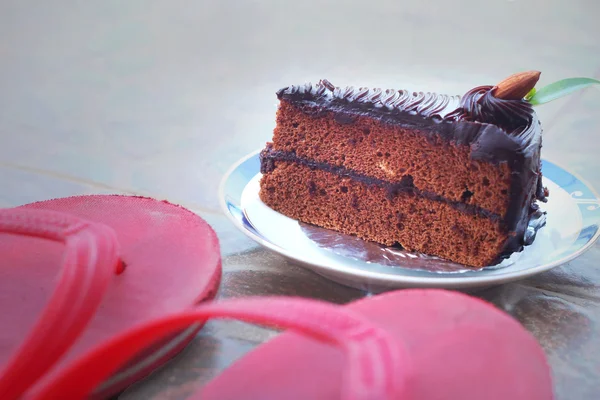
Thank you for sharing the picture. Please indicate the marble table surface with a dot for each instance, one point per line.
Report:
(159, 98)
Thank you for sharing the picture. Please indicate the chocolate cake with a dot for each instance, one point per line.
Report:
(457, 177)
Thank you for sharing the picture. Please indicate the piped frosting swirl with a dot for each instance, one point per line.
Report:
(479, 104)
(425, 104)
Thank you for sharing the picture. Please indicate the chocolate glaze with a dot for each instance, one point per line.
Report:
(497, 131)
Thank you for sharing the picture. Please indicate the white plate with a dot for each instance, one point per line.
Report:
(572, 226)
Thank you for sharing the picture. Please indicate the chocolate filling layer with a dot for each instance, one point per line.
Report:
(268, 158)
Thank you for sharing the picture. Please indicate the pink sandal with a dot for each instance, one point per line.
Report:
(409, 344)
(171, 262)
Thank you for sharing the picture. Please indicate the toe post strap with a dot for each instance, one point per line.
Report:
(89, 260)
(377, 365)
(373, 357)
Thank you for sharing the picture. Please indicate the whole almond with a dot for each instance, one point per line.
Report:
(516, 86)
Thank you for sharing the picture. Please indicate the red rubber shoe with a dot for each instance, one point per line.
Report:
(126, 261)
(405, 345)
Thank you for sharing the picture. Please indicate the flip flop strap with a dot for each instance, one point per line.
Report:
(89, 259)
(377, 364)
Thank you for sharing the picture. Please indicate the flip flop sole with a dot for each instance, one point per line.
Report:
(459, 346)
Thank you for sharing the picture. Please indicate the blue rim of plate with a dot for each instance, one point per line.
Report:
(586, 198)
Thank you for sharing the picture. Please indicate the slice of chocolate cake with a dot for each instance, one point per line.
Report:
(456, 177)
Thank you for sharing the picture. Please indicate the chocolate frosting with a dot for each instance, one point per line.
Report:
(497, 131)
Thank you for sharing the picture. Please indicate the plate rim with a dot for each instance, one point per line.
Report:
(389, 280)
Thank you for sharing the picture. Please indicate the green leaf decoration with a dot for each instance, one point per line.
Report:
(558, 89)
(530, 94)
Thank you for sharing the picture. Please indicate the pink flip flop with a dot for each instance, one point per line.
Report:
(126, 261)
(409, 345)
(406, 345)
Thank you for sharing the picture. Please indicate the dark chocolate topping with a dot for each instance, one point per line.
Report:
(497, 130)
(424, 104)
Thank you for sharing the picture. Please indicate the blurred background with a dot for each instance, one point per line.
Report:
(160, 98)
